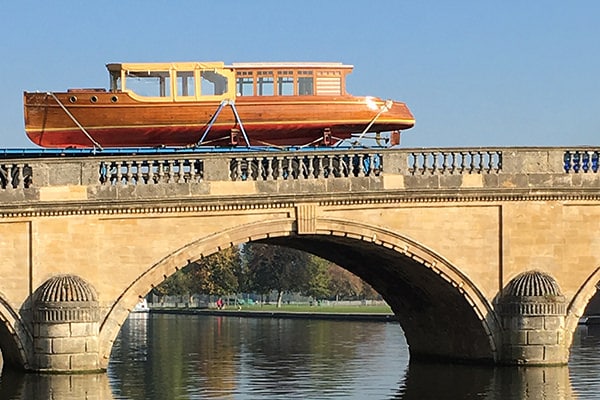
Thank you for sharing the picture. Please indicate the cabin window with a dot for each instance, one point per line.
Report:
(265, 83)
(305, 83)
(285, 83)
(245, 83)
(149, 83)
(213, 83)
(186, 83)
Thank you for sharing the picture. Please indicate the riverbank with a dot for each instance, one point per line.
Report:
(341, 314)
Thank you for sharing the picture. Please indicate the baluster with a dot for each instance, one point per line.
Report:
(160, 173)
(118, 173)
(481, 161)
(473, 161)
(490, 161)
(9, 180)
(135, 171)
(234, 169)
(576, 162)
(143, 172)
(413, 163)
(319, 167)
(20, 181)
(463, 161)
(242, 173)
(567, 161)
(102, 172)
(326, 166)
(177, 171)
(366, 165)
(377, 164)
(445, 161)
(269, 168)
(278, 169)
(308, 168)
(435, 162)
(585, 161)
(126, 173)
(595, 161)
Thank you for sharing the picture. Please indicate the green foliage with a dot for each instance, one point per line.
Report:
(261, 269)
(217, 274)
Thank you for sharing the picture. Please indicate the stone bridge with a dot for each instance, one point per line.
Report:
(484, 255)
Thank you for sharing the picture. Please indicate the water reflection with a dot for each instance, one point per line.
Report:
(19, 386)
(434, 381)
(193, 357)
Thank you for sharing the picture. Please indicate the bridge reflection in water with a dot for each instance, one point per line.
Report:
(223, 357)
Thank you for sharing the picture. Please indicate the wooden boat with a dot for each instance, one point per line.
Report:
(194, 103)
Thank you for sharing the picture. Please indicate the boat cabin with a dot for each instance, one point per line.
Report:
(197, 81)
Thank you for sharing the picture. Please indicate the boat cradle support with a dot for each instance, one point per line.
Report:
(224, 103)
(85, 132)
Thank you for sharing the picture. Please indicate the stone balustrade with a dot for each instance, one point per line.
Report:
(368, 169)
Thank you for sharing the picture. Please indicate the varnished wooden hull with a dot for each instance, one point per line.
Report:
(117, 120)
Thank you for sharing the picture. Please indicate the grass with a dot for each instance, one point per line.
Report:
(304, 308)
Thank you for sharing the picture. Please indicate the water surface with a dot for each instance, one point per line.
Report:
(206, 357)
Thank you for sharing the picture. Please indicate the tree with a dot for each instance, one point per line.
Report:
(277, 268)
(217, 274)
(343, 284)
(318, 283)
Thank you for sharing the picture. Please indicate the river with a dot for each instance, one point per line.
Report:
(208, 357)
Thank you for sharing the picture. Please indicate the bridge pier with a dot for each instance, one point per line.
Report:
(532, 309)
(65, 326)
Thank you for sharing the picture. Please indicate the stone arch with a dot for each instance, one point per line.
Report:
(15, 339)
(433, 268)
(579, 302)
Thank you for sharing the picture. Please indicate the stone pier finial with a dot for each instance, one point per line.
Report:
(532, 309)
(66, 325)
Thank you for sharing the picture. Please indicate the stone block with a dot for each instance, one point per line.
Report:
(42, 345)
(554, 322)
(360, 184)
(55, 362)
(556, 354)
(68, 345)
(55, 330)
(540, 180)
(91, 345)
(465, 181)
(542, 337)
(517, 337)
(529, 322)
(268, 187)
(425, 181)
(490, 180)
(527, 354)
(85, 362)
(84, 329)
(338, 185)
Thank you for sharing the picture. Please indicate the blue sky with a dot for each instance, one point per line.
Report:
(474, 73)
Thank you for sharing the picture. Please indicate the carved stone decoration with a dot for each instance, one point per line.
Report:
(66, 326)
(66, 298)
(532, 309)
(306, 217)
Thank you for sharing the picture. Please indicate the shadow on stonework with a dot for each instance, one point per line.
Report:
(22, 386)
(447, 381)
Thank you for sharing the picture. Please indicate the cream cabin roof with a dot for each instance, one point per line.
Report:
(187, 66)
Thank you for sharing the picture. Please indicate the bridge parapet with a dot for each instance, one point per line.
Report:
(414, 172)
